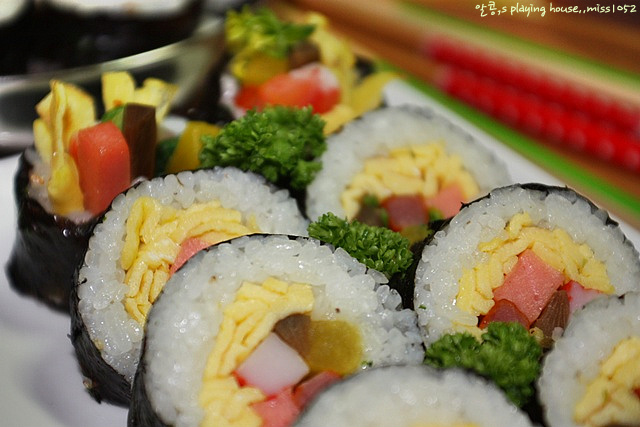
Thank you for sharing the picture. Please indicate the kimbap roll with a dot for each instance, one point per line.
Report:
(527, 253)
(247, 330)
(147, 233)
(69, 177)
(409, 396)
(402, 167)
(592, 375)
(299, 64)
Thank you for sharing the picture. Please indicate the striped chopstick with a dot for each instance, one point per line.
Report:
(577, 97)
(537, 117)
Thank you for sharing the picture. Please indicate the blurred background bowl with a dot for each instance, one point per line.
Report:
(188, 63)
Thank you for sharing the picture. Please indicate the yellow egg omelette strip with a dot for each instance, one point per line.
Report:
(153, 237)
(246, 322)
(610, 398)
(64, 111)
(415, 169)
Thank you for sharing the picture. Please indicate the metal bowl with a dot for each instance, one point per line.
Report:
(187, 63)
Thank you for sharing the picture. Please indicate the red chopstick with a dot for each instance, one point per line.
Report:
(538, 117)
(570, 95)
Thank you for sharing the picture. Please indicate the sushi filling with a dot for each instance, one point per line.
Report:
(270, 357)
(160, 238)
(532, 275)
(613, 398)
(409, 187)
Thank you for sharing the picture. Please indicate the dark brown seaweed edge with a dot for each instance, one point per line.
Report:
(100, 379)
(47, 248)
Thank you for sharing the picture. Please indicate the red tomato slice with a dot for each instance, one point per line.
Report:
(277, 411)
(102, 156)
(504, 311)
(405, 211)
(530, 285)
(249, 97)
(312, 85)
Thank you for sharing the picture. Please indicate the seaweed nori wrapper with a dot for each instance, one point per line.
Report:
(141, 411)
(100, 379)
(47, 247)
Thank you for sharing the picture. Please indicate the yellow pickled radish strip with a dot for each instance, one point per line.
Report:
(185, 156)
(117, 89)
(334, 345)
(157, 93)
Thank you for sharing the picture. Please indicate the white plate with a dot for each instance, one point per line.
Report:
(41, 384)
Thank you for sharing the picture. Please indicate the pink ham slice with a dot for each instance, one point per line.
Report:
(530, 285)
(448, 200)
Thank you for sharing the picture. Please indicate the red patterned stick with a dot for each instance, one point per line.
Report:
(541, 118)
(571, 95)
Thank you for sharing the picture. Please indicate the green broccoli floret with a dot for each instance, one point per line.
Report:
(262, 31)
(376, 247)
(507, 354)
(280, 143)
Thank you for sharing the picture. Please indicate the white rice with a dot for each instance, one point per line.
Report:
(455, 248)
(186, 318)
(412, 396)
(574, 362)
(378, 132)
(102, 290)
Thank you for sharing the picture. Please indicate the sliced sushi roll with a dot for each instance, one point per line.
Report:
(68, 178)
(148, 232)
(592, 375)
(401, 166)
(248, 329)
(412, 396)
(527, 253)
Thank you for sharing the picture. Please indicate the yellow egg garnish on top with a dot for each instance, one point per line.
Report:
(612, 398)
